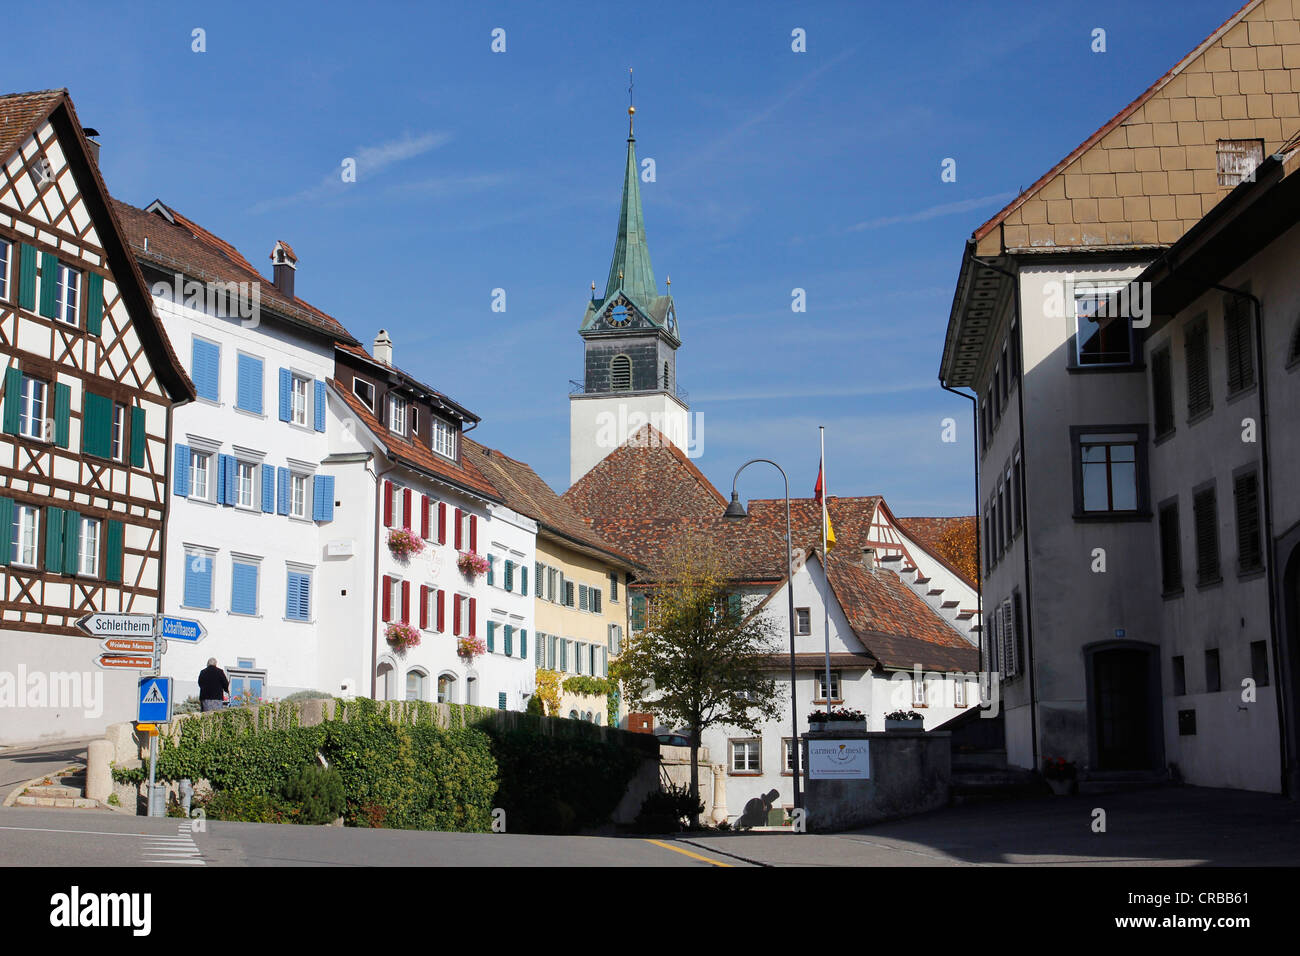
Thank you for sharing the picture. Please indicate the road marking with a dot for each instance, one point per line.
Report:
(87, 832)
(696, 856)
(179, 850)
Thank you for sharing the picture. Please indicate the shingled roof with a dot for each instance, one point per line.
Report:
(851, 518)
(937, 536)
(171, 242)
(523, 490)
(462, 474)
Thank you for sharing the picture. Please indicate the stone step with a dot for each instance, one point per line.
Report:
(978, 760)
(27, 800)
(995, 784)
(52, 790)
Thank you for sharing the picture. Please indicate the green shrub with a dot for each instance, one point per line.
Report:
(318, 794)
(249, 808)
(309, 695)
(666, 811)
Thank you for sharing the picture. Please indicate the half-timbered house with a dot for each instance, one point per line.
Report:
(88, 388)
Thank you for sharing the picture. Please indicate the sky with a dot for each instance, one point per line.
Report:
(476, 170)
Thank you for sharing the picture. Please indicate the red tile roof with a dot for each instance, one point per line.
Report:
(941, 538)
(184, 246)
(414, 455)
(360, 352)
(850, 517)
(20, 113)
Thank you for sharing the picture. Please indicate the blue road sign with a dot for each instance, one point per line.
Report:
(155, 699)
(182, 629)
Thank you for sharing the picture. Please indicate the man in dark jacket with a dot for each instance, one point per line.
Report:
(213, 686)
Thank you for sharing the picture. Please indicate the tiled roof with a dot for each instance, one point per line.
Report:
(850, 517)
(935, 535)
(19, 114)
(463, 474)
(814, 662)
(185, 246)
(523, 490)
(898, 628)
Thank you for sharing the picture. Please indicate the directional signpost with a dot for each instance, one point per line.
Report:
(182, 629)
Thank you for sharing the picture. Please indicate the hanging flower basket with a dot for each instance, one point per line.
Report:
(403, 542)
(401, 636)
(470, 647)
(471, 564)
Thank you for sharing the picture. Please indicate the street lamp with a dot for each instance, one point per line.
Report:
(737, 510)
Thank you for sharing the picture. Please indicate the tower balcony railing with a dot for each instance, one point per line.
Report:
(578, 388)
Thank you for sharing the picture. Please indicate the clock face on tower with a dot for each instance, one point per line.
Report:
(619, 316)
(672, 320)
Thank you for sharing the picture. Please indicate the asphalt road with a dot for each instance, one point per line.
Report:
(36, 837)
(20, 764)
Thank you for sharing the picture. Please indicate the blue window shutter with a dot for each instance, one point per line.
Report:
(304, 598)
(286, 395)
(491, 636)
(221, 479)
(282, 478)
(53, 518)
(268, 489)
(206, 370)
(248, 393)
(322, 497)
(198, 581)
(523, 644)
(243, 588)
(293, 595)
(320, 405)
(232, 486)
(509, 646)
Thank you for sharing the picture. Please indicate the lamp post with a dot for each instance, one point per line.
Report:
(737, 510)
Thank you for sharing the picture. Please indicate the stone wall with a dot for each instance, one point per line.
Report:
(910, 772)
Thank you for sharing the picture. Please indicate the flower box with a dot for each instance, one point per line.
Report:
(904, 725)
(471, 564)
(401, 636)
(404, 543)
(470, 647)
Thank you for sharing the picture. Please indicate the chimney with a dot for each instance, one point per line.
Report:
(93, 143)
(285, 263)
(869, 558)
(383, 348)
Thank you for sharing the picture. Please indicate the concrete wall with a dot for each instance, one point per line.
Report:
(910, 773)
(600, 423)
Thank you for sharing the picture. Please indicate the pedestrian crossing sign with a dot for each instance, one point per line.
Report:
(155, 700)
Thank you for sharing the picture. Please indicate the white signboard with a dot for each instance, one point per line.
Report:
(839, 759)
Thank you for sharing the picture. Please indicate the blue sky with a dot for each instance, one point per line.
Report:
(479, 170)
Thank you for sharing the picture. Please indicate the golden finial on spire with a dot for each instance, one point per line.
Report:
(631, 110)
(620, 275)
(670, 280)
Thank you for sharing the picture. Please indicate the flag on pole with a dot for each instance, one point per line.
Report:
(818, 493)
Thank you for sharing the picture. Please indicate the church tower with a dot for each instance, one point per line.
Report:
(630, 339)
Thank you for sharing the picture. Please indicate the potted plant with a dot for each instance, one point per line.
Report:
(471, 564)
(403, 542)
(401, 636)
(904, 720)
(1061, 775)
(837, 718)
(470, 647)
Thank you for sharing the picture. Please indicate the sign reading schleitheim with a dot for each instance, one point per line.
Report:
(839, 760)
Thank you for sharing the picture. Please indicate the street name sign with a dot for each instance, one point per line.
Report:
(127, 645)
(125, 662)
(182, 629)
(155, 700)
(118, 625)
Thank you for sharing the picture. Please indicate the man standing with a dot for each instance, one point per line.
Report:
(213, 686)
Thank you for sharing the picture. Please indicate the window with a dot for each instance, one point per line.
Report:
(1102, 335)
(1238, 159)
(198, 579)
(243, 587)
(803, 621)
(746, 756)
(443, 438)
(366, 392)
(1108, 472)
(246, 681)
(1205, 515)
(415, 681)
(1259, 662)
(594, 596)
(918, 693)
(88, 547)
(667, 381)
(835, 685)
(1162, 388)
(33, 409)
(298, 597)
(394, 599)
(245, 475)
(1197, 345)
(119, 431)
(1171, 560)
(552, 581)
(613, 587)
(199, 472)
(446, 689)
(26, 525)
(1212, 678)
(620, 374)
(396, 414)
(5, 259)
(1180, 676)
(298, 408)
(615, 640)
(788, 750)
(66, 289)
(1240, 348)
(958, 692)
(1250, 546)
(999, 516)
(298, 496)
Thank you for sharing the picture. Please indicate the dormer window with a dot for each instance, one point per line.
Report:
(443, 438)
(396, 414)
(364, 391)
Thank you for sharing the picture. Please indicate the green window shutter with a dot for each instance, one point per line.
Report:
(94, 303)
(71, 541)
(62, 408)
(53, 540)
(137, 436)
(6, 529)
(638, 612)
(509, 646)
(510, 577)
(27, 277)
(13, 399)
(97, 425)
(491, 570)
(113, 552)
(491, 636)
(49, 283)
(523, 644)
(733, 604)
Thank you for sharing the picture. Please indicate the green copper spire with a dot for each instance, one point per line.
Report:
(630, 269)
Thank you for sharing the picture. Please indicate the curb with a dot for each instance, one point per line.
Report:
(17, 791)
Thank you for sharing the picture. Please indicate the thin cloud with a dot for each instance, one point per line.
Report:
(934, 212)
(848, 391)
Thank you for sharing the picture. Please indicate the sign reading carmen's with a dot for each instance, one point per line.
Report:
(839, 759)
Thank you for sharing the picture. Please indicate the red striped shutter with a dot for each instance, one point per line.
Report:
(387, 614)
(424, 517)
(442, 522)
(458, 541)
(388, 504)
(473, 613)
(424, 607)
(442, 603)
(406, 509)
(406, 601)
(473, 533)
(455, 615)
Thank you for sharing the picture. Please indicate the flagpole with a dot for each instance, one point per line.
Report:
(826, 603)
